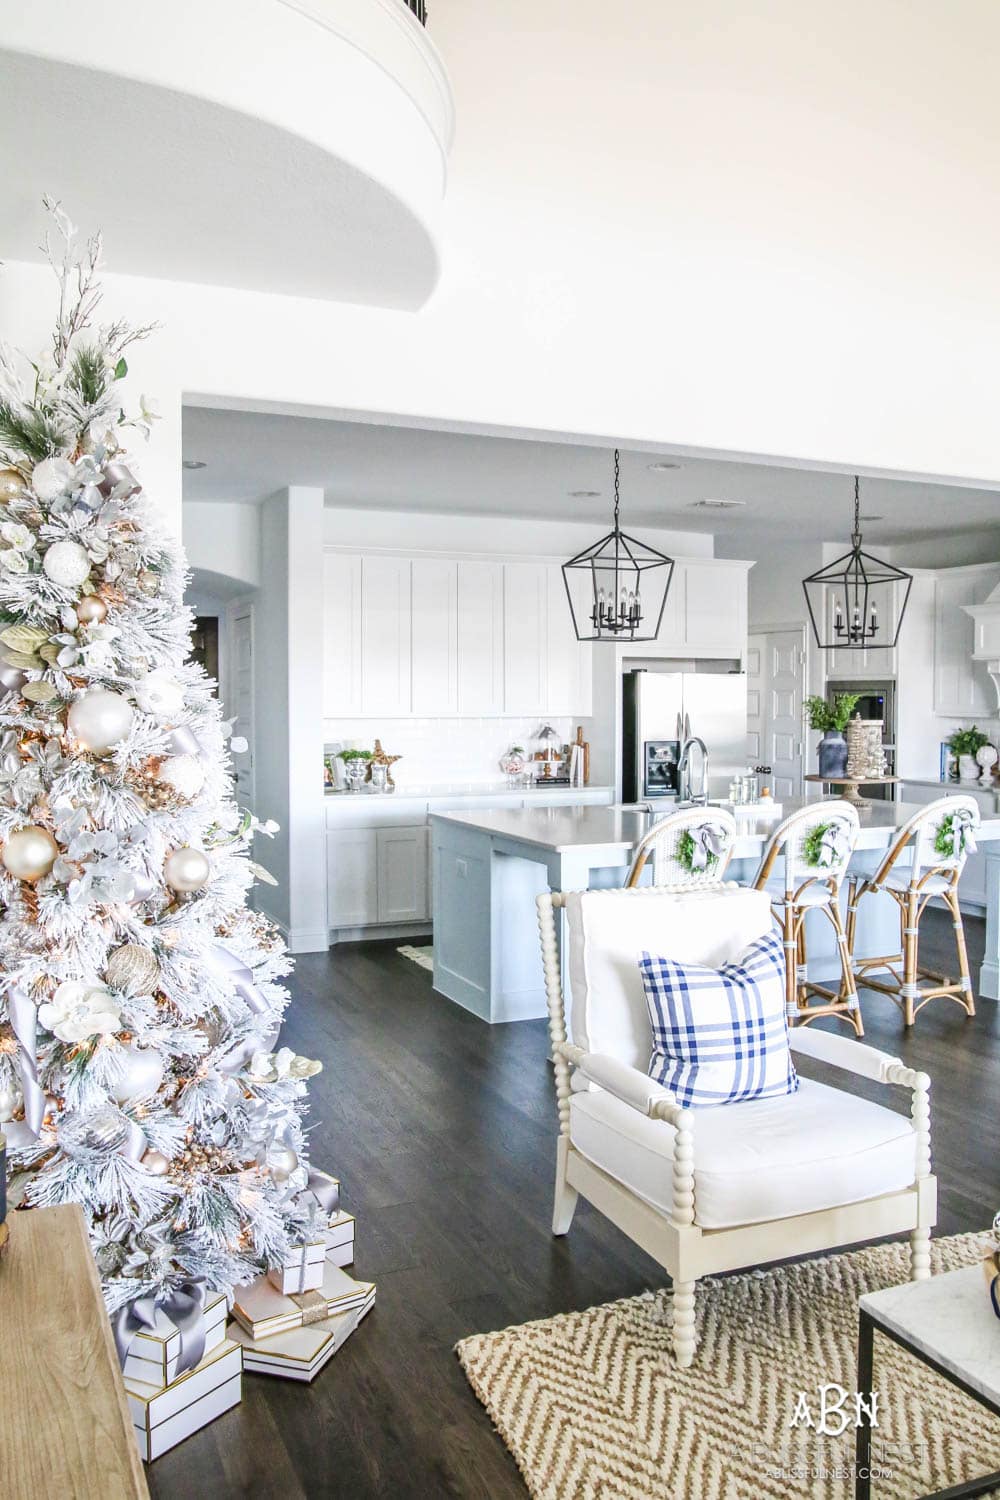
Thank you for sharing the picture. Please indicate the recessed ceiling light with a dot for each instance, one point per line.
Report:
(663, 464)
(193, 463)
(584, 494)
(709, 504)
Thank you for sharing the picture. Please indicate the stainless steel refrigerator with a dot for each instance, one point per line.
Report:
(660, 710)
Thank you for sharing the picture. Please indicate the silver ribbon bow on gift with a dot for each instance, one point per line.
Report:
(962, 833)
(24, 1021)
(708, 840)
(834, 846)
(325, 1189)
(183, 1305)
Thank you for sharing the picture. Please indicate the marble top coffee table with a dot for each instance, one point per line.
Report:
(949, 1324)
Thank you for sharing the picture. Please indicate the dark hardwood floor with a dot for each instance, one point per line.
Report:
(442, 1130)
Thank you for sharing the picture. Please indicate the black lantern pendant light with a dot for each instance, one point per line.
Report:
(613, 591)
(856, 602)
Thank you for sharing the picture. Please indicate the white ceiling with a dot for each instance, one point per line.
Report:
(249, 455)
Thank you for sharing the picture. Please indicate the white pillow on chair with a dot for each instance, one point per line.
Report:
(607, 932)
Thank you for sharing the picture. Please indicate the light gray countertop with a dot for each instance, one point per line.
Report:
(568, 829)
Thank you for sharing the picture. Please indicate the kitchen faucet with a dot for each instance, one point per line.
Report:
(685, 792)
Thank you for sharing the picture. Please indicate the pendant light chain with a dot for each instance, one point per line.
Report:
(856, 538)
(617, 494)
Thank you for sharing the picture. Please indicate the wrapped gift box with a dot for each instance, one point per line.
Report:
(339, 1240)
(263, 1311)
(163, 1418)
(302, 1270)
(326, 1190)
(152, 1357)
(300, 1353)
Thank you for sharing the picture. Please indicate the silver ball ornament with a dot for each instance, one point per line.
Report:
(132, 969)
(30, 853)
(281, 1163)
(92, 1137)
(91, 610)
(10, 1098)
(148, 584)
(140, 1073)
(67, 564)
(186, 870)
(100, 719)
(12, 486)
(156, 1163)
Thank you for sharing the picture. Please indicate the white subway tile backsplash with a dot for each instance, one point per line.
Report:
(443, 750)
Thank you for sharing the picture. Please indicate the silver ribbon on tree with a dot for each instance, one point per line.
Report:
(119, 480)
(12, 679)
(962, 833)
(183, 742)
(708, 841)
(224, 964)
(182, 1305)
(834, 846)
(24, 1021)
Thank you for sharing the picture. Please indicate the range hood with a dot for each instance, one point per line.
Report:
(986, 635)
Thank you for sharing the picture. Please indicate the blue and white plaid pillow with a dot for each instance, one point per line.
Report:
(720, 1035)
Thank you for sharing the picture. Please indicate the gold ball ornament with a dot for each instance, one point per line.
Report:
(133, 969)
(91, 610)
(12, 486)
(156, 1163)
(148, 584)
(186, 870)
(282, 1162)
(30, 853)
(100, 719)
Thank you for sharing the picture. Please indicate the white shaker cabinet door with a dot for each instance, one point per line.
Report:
(962, 687)
(480, 638)
(352, 877)
(569, 660)
(402, 874)
(385, 636)
(715, 606)
(341, 635)
(434, 584)
(525, 638)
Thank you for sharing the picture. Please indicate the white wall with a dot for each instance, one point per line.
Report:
(665, 224)
(224, 539)
(494, 536)
(453, 752)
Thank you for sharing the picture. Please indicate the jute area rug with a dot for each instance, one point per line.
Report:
(592, 1406)
(424, 956)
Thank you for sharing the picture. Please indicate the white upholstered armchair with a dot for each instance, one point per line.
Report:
(706, 1190)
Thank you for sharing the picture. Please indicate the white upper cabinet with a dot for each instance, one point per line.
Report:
(568, 660)
(385, 636)
(706, 607)
(962, 687)
(480, 638)
(851, 661)
(342, 635)
(434, 636)
(525, 638)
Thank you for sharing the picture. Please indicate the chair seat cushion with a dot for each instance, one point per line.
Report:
(811, 895)
(766, 1159)
(931, 885)
(720, 1035)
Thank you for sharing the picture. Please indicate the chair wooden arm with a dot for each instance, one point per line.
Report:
(854, 1057)
(648, 1098)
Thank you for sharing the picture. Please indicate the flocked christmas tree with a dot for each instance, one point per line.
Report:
(140, 996)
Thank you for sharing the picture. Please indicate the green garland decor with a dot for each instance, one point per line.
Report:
(812, 844)
(944, 839)
(685, 854)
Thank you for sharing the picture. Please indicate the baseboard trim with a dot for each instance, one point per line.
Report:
(375, 931)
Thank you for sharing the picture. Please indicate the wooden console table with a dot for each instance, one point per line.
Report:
(67, 1429)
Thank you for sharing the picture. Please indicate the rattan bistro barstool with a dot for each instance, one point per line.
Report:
(814, 847)
(939, 839)
(689, 848)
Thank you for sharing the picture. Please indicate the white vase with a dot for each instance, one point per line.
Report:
(968, 768)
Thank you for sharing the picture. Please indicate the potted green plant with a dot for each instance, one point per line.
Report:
(355, 766)
(832, 719)
(964, 743)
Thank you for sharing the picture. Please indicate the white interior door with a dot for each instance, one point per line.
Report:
(783, 664)
(756, 690)
(241, 701)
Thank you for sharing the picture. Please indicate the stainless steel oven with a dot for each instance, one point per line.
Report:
(876, 700)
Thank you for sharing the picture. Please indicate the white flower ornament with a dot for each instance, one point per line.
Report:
(79, 1010)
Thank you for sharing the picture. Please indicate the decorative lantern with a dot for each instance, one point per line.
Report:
(617, 588)
(859, 600)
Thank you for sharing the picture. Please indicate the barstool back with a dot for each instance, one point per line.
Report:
(814, 844)
(689, 848)
(941, 836)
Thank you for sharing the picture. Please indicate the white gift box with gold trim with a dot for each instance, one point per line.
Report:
(302, 1270)
(163, 1418)
(300, 1353)
(339, 1240)
(264, 1311)
(152, 1357)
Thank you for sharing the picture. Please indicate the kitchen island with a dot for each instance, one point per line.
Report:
(489, 866)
